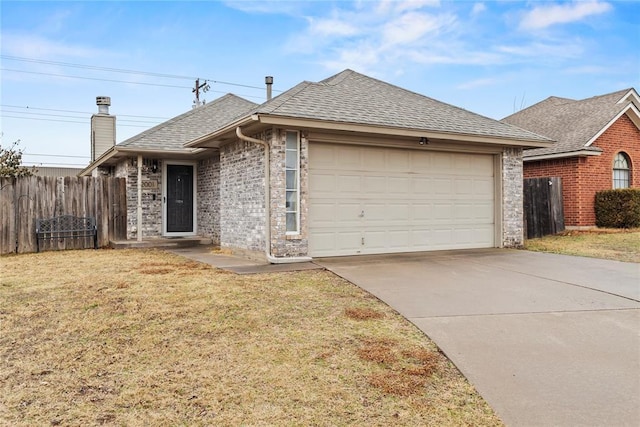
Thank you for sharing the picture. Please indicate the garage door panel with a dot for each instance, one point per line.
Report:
(443, 186)
(349, 184)
(375, 185)
(323, 184)
(366, 200)
(421, 186)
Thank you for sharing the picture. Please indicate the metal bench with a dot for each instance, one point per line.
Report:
(66, 227)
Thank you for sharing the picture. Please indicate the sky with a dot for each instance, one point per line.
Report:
(490, 57)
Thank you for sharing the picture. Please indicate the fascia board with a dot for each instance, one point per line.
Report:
(382, 130)
(111, 152)
(631, 108)
(200, 142)
(581, 153)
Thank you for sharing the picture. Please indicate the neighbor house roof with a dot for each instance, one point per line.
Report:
(574, 124)
(168, 138)
(355, 99)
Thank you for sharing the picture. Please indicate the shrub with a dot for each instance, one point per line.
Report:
(618, 208)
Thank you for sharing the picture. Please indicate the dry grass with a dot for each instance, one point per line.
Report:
(137, 337)
(614, 244)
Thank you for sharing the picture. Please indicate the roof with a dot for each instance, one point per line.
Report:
(174, 133)
(350, 97)
(574, 124)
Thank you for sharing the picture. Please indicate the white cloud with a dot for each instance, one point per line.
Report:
(478, 8)
(331, 27)
(544, 51)
(33, 46)
(547, 15)
(409, 28)
(478, 83)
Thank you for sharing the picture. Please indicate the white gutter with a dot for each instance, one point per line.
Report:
(267, 202)
(580, 153)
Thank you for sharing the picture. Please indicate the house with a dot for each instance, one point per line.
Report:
(598, 147)
(348, 165)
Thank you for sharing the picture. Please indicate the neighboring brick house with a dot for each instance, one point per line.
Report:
(349, 165)
(597, 148)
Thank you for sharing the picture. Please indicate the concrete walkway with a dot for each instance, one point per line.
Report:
(547, 340)
(237, 264)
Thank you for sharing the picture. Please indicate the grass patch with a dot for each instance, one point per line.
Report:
(614, 244)
(144, 337)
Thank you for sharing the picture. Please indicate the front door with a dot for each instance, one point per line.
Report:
(179, 199)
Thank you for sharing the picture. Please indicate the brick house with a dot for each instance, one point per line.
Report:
(597, 148)
(349, 165)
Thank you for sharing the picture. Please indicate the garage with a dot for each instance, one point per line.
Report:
(371, 200)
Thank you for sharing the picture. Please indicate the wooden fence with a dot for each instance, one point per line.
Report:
(23, 200)
(543, 208)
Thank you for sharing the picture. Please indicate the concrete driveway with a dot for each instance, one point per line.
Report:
(547, 340)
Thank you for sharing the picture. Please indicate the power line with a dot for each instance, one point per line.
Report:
(53, 164)
(79, 112)
(56, 155)
(76, 117)
(68, 121)
(69, 76)
(93, 78)
(126, 71)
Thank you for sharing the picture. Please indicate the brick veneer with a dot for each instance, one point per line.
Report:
(512, 199)
(208, 192)
(582, 177)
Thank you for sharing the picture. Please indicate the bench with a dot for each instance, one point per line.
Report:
(66, 227)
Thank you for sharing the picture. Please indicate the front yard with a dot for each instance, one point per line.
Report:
(614, 244)
(138, 337)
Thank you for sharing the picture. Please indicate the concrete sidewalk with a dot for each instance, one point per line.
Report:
(548, 340)
(237, 264)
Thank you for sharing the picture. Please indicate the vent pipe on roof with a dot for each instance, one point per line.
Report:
(269, 82)
(103, 103)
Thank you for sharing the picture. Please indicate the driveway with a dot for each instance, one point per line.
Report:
(547, 340)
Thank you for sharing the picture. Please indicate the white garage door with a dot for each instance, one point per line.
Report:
(366, 200)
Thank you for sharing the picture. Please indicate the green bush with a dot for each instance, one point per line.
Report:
(618, 208)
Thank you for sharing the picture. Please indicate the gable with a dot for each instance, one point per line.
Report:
(575, 124)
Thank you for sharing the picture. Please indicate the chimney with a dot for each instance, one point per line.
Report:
(103, 128)
(269, 82)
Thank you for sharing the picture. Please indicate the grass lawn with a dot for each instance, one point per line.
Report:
(615, 244)
(144, 337)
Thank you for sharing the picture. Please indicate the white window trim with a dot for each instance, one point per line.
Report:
(297, 189)
(627, 170)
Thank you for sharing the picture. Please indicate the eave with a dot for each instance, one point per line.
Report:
(579, 153)
(216, 139)
(118, 152)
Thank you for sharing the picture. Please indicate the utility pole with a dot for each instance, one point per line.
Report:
(196, 89)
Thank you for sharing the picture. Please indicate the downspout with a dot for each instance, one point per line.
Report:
(267, 202)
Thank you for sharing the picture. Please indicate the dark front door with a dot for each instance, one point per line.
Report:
(179, 198)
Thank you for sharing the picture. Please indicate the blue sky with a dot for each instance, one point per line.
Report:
(490, 57)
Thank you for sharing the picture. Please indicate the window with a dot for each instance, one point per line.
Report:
(621, 171)
(292, 171)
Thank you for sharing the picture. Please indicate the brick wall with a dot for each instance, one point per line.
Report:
(208, 191)
(582, 177)
(151, 199)
(283, 245)
(512, 198)
(242, 221)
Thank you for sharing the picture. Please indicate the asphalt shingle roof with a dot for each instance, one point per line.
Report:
(350, 97)
(572, 123)
(172, 134)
